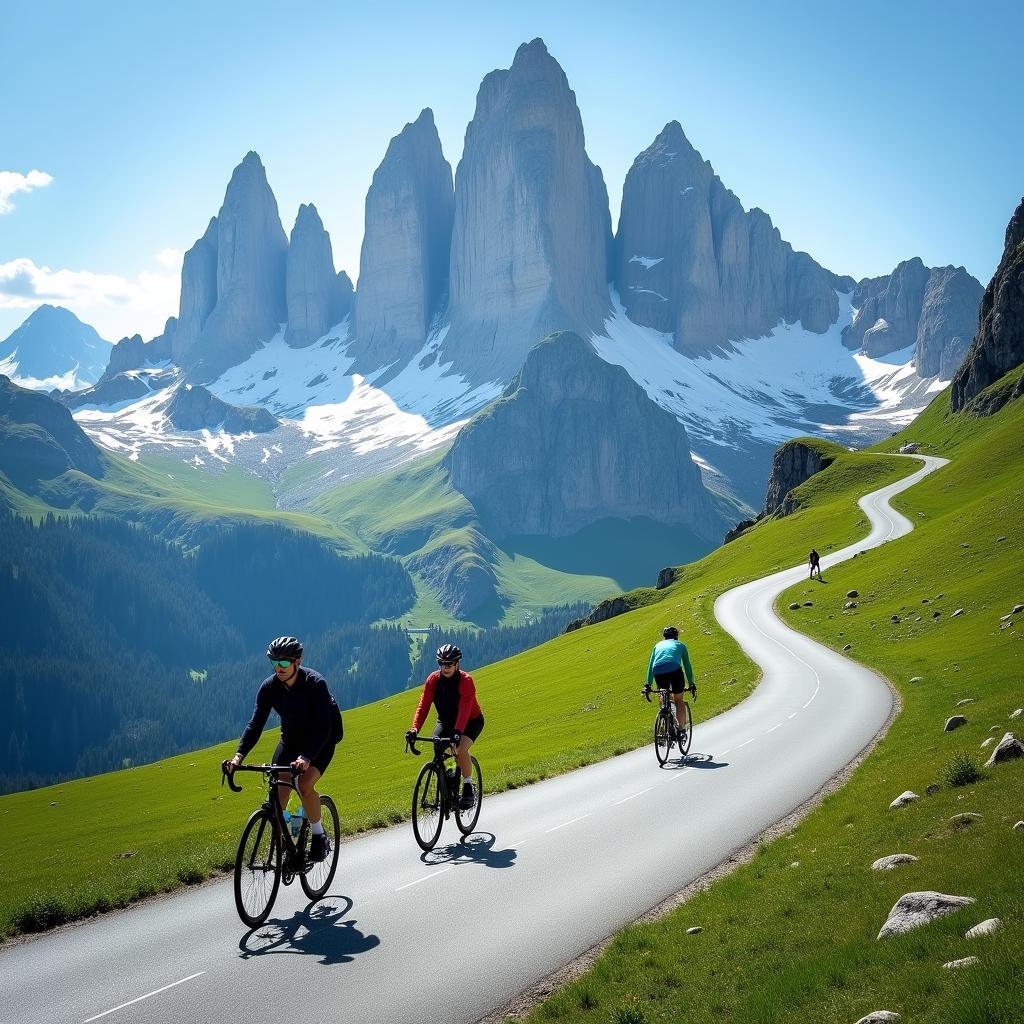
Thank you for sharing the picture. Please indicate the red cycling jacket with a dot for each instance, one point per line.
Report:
(455, 700)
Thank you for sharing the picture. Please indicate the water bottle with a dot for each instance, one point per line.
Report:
(296, 821)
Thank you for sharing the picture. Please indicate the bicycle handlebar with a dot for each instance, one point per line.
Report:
(267, 769)
(411, 741)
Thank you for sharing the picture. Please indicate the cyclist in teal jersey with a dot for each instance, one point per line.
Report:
(665, 670)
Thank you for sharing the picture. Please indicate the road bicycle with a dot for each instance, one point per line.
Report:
(268, 853)
(667, 728)
(437, 790)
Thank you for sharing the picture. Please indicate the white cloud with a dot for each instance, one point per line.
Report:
(12, 181)
(172, 259)
(116, 306)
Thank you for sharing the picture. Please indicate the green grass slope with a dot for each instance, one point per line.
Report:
(792, 935)
(568, 703)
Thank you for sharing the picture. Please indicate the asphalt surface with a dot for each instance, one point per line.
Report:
(554, 869)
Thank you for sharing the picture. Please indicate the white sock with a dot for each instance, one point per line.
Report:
(467, 780)
(318, 828)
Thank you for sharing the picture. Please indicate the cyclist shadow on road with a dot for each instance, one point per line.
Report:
(476, 848)
(316, 931)
(698, 760)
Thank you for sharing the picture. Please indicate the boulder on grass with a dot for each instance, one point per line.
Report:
(903, 799)
(914, 909)
(1008, 748)
(894, 860)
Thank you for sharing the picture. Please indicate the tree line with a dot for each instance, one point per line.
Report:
(121, 649)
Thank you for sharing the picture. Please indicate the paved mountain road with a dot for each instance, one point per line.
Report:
(452, 935)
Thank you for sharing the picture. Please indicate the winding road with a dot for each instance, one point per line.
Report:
(448, 937)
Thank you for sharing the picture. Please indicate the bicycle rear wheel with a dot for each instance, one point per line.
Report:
(317, 878)
(257, 868)
(685, 734)
(467, 819)
(428, 806)
(662, 736)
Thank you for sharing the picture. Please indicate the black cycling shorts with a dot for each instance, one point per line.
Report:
(320, 762)
(675, 680)
(474, 727)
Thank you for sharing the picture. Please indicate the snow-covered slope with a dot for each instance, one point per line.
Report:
(53, 349)
(737, 404)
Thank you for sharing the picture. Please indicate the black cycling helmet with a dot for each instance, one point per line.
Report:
(670, 633)
(284, 647)
(448, 652)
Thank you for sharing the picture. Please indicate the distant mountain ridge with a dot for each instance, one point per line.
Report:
(53, 348)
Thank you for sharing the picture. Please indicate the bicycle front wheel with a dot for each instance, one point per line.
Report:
(257, 868)
(466, 818)
(662, 736)
(685, 734)
(428, 806)
(317, 879)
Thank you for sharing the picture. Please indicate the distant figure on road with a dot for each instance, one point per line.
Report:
(814, 561)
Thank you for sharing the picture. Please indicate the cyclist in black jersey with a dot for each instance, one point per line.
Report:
(311, 728)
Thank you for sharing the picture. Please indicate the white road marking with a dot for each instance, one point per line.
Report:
(155, 992)
(564, 823)
(745, 742)
(433, 874)
(773, 728)
(624, 799)
(792, 716)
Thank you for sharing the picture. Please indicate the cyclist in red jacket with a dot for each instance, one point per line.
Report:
(453, 694)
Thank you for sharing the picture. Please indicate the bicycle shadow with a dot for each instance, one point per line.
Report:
(694, 759)
(476, 848)
(318, 930)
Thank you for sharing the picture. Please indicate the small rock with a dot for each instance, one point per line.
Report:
(964, 702)
(808, 604)
(965, 818)
(996, 728)
(932, 789)
(853, 593)
(794, 606)
(903, 799)
(967, 961)
(914, 909)
(850, 604)
(939, 597)
(924, 600)
(993, 924)
(916, 679)
(879, 1017)
(894, 860)
(1006, 625)
(695, 930)
(894, 618)
(53, 803)
(965, 545)
(1006, 617)
(1008, 748)
(1018, 826)
(958, 612)
(1017, 713)
(795, 864)
(999, 540)
(936, 615)
(848, 647)
(126, 854)
(991, 739)
(954, 722)
(1017, 609)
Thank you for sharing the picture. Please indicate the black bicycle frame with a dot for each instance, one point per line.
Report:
(440, 755)
(293, 859)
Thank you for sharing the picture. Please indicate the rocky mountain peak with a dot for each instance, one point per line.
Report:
(532, 232)
(998, 345)
(239, 264)
(690, 261)
(403, 266)
(316, 295)
(589, 445)
(51, 344)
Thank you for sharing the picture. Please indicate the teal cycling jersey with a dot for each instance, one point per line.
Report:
(667, 656)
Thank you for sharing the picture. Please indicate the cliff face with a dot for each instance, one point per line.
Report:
(403, 265)
(998, 346)
(233, 294)
(574, 440)
(316, 295)
(933, 310)
(793, 463)
(532, 231)
(690, 260)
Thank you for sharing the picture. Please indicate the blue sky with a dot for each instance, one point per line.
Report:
(870, 133)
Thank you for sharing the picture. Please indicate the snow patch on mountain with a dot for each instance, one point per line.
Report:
(770, 389)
